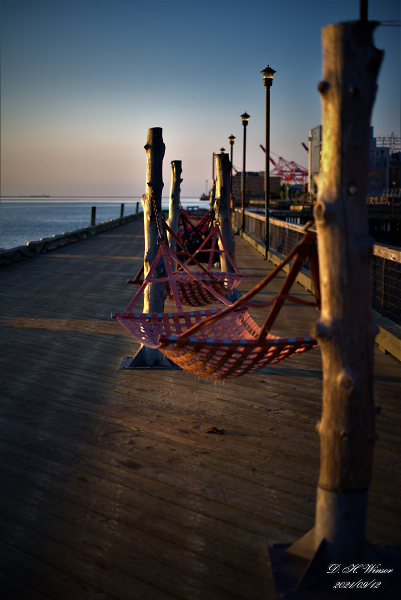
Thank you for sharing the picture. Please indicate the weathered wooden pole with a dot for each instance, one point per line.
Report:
(153, 299)
(212, 195)
(174, 207)
(222, 209)
(345, 330)
(222, 213)
(154, 295)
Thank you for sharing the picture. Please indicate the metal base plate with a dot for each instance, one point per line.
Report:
(129, 363)
(299, 578)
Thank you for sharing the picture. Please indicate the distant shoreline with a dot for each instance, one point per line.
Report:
(56, 197)
(89, 197)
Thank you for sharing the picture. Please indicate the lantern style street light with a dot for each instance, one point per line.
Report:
(231, 138)
(245, 119)
(268, 81)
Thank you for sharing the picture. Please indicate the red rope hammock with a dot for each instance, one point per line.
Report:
(231, 343)
(192, 236)
(190, 285)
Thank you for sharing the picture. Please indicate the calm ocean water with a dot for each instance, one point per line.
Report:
(26, 219)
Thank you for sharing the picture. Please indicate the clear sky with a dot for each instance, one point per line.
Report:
(82, 81)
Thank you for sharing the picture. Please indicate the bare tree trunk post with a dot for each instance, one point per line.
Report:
(223, 216)
(345, 329)
(153, 299)
(212, 195)
(174, 208)
(222, 209)
(154, 295)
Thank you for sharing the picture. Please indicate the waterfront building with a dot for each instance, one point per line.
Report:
(315, 157)
(384, 163)
(379, 168)
(255, 184)
(395, 170)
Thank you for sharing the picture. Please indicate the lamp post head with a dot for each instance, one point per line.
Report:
(245, 119)
(232, 138)
(222, 150)
(268, 76)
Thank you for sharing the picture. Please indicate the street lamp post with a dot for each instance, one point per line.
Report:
(392, 209)
(268, 81)
(245, 119)
(231, 138)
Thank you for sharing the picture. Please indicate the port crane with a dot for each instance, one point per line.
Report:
(288, 171)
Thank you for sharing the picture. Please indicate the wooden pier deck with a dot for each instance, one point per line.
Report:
(110, 486)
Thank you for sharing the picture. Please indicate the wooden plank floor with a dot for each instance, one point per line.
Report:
(110, 485)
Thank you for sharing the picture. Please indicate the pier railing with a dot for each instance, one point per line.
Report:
(385, 265)
(51, 243)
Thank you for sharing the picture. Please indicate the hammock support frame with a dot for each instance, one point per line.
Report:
(228, 343)
(194, 288)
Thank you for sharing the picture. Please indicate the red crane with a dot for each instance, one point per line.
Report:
(288, 171)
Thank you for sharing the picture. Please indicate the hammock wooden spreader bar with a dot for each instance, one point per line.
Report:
(231, 343)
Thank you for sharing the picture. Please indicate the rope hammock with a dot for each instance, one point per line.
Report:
(203, 225)
(228, 343)
(194, 288)
(193, 236)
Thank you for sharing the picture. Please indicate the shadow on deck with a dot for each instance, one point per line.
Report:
(111, 487)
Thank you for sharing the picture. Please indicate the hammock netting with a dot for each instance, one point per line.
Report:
(197, 288)
(228, 343)
(228, 348)
(193, 293)
(192, 236)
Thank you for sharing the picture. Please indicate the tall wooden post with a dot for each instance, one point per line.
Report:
(174, 207)
(154, 295)
(153, 299)
(212, 195)
(222, 209)
(222, 212)
(345, 329)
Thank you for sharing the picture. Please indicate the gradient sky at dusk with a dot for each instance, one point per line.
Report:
(82, 81)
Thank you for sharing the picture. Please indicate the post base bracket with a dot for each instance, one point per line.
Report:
(301, 573)
(149, 358)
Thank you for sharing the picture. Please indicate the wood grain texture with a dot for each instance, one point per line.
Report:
(346, 329)
(174, 205)
(154, 294)
(111, 487)
(222, 210)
